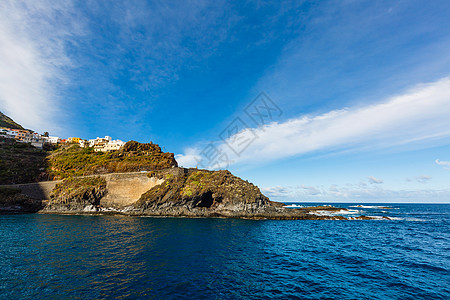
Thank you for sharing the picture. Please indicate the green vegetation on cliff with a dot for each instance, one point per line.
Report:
(7, 122)
(202, 188)
(134, 156)
(20, 163)
(76, 193)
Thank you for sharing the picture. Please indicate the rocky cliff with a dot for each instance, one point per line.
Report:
(158, 188)
(76, 195)
(12, 200)
(194, 192)
(133, 156)
(179, 192)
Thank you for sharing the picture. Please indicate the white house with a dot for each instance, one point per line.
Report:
(7, 133)
(113, 145)
(53, 139)
(99, 141)
(84, 143)
(35, 139)
(105, 144)
(32, 137)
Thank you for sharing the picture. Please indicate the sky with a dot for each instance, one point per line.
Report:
(313, 101)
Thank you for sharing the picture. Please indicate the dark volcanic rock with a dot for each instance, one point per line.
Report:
(181, 193)
(12, 201)
(202, 193)
(77, 195)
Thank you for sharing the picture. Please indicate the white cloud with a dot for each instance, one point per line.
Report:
(276, 191)
(445, 164)
(189, 159)
(423, 178)
(419, 115)
(32, 54)
(310, 190)
(373, 180)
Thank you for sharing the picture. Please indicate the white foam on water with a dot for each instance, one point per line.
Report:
(293, 206)
(371, 206)
(335, 213)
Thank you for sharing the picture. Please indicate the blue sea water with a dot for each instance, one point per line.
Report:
(98, 257)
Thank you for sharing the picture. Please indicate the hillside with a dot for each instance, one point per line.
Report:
(22, 163)
(75, 161)
(7, 122)
(178, 192)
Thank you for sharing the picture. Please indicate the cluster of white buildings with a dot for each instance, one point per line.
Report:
(105, 144)
(37, 140)
(25, 136)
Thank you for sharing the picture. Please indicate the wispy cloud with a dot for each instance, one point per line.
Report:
(445, 164)
(418, 115)
(32, 57)
(420, 179)
(373, 180)
(423, 178)
(276, 191)
(189, 158)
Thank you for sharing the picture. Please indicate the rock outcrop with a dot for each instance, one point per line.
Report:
(175, 192)
(167, 191)
(77, 195)
(202, 193)
(12, 201)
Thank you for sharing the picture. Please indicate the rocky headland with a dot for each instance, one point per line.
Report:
(82, 184)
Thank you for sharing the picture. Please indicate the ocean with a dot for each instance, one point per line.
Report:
(119, 257)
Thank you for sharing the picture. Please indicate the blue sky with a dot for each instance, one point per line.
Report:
(361, 89)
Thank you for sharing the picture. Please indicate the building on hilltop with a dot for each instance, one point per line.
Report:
(84, 143)
(34, 139)
(105, 144)
(8, 133)
(113, 145)
(99, 141)
(53, 140)
(74, 140)
(26, 136)
(21, 134)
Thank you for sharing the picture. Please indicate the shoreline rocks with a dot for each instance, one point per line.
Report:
(189, 193)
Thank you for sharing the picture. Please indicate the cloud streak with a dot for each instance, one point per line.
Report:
(445, 164)
(373, 180)
(32, 56)
(418, 115)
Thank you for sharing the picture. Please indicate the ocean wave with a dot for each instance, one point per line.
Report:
(293, 206)
(335, 213)
(372, 206)
(402, 219)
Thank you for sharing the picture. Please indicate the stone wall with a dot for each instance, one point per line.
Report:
(123, 188)
(37, 190)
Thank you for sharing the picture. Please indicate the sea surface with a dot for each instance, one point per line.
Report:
(117, 257)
